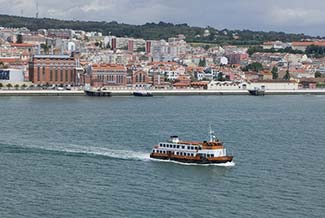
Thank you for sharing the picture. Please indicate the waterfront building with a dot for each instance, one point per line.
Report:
(53, 70)
(108, 75)
(12, 76)
(140, 79)
(274, 85)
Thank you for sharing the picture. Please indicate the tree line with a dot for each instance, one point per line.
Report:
(161, 30)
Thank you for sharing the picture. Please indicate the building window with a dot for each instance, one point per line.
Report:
(43, 73)
(61, 74)
(51, 73)
(66, 74)
(56, 74)
(38, 73)
(72, 75)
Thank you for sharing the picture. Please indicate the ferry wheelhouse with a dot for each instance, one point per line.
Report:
(206, 152)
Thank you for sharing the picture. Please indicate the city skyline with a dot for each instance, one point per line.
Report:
(289, 15)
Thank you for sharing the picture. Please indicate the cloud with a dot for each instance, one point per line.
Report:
(279, 15)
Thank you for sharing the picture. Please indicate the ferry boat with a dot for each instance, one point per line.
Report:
(98, 93)
(206, 152)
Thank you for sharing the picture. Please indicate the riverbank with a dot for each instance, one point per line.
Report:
(187, 92)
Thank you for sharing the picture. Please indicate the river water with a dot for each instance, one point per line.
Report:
(88, 157)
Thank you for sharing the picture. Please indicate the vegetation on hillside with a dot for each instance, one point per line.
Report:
(159, 30)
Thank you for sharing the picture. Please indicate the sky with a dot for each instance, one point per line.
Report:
(296, 16)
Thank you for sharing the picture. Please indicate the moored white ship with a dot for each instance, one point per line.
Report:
(206, 152)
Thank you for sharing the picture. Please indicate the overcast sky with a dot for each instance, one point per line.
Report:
(299, 16)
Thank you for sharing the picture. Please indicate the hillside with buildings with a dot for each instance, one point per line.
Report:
(47, 55)
(155, 31)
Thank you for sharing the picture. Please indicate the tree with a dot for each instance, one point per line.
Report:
(287, 75)
(318, 75)
(202, 62)
(46, 48)
(1, 85)
(9, 86)
(19, 38)
(23, 86)
(256, 66)
(220, 77)
(141, 49)
(275, 74)
(16, 86)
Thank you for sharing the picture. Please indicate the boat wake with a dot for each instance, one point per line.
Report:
(87, 151)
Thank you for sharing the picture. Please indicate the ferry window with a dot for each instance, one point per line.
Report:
(188, 147)
(192, 155)
(174, 146)
(208, 155)
(177, 146)
(200, 148)
(192, 148)
(212, 155)
(183, 147)
(163, 145)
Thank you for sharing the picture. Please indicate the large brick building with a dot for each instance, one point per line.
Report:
(108, 75)
(53, 70)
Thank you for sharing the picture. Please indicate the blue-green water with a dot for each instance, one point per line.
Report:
(88, 157)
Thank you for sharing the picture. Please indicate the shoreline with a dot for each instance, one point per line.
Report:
(160, 92)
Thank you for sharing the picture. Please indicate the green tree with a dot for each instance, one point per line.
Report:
(23, 86)
(19, 38)
(220, 77)
(1, 85)
(274, 71)
(318, 75)
(17, 86)
(141, 49)
(46, 48)
(287, 76)
(255, 66)
(9, 85)
(202, 62)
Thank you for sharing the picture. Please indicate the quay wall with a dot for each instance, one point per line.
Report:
(117, 92)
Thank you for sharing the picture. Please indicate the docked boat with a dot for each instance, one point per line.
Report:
(206, 152)
(257, 92)
(98, 93)
(143, 94)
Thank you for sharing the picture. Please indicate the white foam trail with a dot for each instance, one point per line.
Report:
(91, 150)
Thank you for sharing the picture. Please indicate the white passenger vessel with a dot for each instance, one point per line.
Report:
(206, 152)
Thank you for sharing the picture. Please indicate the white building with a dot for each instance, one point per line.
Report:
(265, 85)
(12, 76)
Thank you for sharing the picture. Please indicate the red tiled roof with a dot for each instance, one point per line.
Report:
(319, 43)
(21, 45)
